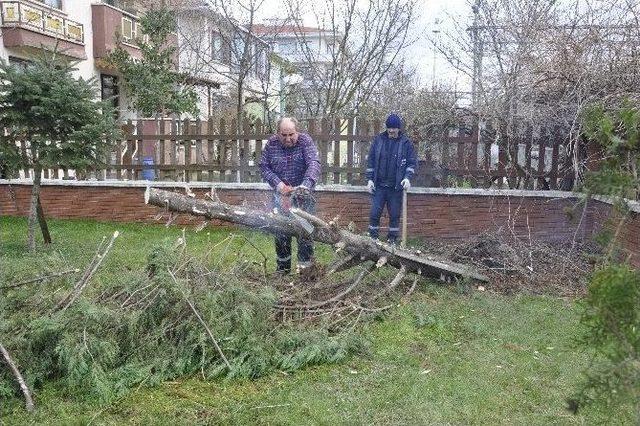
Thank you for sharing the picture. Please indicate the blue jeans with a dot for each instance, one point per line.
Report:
(283, 242)
(393, 200)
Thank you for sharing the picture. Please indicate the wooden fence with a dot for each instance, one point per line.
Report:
(538, 158)
(220, 151)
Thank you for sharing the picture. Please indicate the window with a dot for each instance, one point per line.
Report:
(19, 62)
(109, 91)
(288, 47)
(57, 4)
(262, 61)
(217, 53)
(127, 29)
(238, 45)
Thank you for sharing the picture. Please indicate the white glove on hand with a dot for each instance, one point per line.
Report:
(371, 187)
(405, 184)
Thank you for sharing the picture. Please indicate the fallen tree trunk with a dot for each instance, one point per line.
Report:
(303, 224)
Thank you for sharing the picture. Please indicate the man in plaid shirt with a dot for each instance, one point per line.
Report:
(291, 160)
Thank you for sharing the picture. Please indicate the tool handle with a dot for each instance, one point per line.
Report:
(404, 218)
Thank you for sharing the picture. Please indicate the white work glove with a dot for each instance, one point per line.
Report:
(371, 187)
(405, 184)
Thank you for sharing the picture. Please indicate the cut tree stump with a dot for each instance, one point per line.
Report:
(305, 225)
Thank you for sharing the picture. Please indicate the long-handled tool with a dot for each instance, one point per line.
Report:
(404, 218)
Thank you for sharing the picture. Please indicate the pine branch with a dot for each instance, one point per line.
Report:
(204, 324)
(23, 385)
(86, 278)
(41, 278)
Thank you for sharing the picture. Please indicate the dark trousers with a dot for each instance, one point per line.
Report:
(393, 200)
(283, 242)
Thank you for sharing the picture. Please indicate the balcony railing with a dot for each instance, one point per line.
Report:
(40, 19)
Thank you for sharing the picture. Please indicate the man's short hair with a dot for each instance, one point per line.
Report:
(293, 120)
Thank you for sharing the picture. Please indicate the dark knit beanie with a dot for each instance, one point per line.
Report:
(393, 122)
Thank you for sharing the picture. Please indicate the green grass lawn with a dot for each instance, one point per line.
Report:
(442, 358)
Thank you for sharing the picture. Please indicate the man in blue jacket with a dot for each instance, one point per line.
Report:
(390, 166)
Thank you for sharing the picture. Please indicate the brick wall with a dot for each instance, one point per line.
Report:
(432, 213)
(626, 229)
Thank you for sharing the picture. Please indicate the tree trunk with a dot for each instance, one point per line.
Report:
(302, 224)
(46, 236)
(33, 207)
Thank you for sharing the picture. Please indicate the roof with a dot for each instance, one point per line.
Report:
(262, 29)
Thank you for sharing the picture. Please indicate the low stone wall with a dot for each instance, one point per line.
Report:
(551, 216)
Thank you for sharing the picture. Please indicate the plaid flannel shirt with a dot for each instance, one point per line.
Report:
(297, 165)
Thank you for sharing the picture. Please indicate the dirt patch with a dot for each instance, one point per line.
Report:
(516, 265)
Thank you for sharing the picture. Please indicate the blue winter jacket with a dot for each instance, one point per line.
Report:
(405, 161)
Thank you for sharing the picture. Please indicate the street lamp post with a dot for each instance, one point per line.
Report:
(436, 33)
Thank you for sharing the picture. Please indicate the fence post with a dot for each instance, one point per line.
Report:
(542, 153)
(350, 163)
(336, 150)
(460, 167)
(472, 158)
(186, 143)
(173, 149)
(258, 152)
(222, 150)
(244, 152)
(446, 162)
(555, 140)
(503, 146)
(127, 158)
(528, 136)
(323, 148)
(364, 131)
(235, 155)
(199, 151)
(210, 149)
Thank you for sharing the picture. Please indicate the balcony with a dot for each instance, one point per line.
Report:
(31, 26)
(111, 24)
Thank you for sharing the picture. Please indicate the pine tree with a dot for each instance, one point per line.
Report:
(152, 83)
(59, 118)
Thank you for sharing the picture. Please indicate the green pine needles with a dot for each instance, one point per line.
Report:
(611, 318)
(153, 82)
(140, 330)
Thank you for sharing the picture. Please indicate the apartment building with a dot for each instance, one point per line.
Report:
(85, 31)
(311, 51)
(222, 55)
(299, 44)
(82, 30)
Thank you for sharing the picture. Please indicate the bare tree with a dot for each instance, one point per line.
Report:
(218, 45)
(426, 111)
(535, 63)
(362, 42)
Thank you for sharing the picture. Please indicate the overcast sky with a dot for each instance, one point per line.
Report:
(421, 54)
